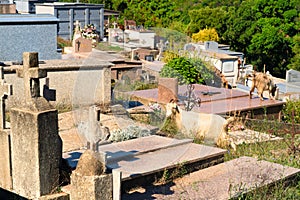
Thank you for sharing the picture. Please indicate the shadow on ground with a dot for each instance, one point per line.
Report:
(149, 192)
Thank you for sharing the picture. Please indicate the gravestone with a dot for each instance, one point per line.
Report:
(292, 76)
(82, 45)
(93, 130)
(167, 89)
(5, 171)
(36, 146)
(89, 181)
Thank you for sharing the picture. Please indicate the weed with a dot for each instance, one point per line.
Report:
(63, 107)
(106, 47)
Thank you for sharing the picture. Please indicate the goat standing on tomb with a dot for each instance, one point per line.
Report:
(201, 125)
(263, 82)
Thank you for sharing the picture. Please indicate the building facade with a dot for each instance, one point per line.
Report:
(69, 13)
(28, 33)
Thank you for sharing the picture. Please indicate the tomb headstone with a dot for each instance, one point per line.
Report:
(89, 181)
(93, 130)
(82, 45)
(292, 76)
(36, 146)
(167, 89)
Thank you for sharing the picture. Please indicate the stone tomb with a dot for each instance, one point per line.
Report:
(142, 160)
(219, 101)
(224, 181)
(36, 149)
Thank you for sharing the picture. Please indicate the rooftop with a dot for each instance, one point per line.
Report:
(27, 18)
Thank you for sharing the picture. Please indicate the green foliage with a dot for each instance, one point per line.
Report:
(106, 47)
(176, 39)
(291, 111)
(206, 18)
(295, 61)
(187, 71)
(61, 43)
(169, 127)
(263, 31)
(138, 85)
(159, 13)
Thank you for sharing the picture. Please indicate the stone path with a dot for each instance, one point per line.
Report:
(222, 181)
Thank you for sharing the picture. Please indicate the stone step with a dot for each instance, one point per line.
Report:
(120, 150)
(223, 181)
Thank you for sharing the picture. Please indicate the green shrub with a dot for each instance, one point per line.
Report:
(187, 70)
(61, 43)
(291, 111)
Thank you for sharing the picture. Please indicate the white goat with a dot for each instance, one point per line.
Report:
(201, 125)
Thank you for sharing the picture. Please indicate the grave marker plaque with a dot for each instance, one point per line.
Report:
(82, 45)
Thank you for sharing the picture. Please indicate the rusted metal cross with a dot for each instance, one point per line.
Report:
(31, 74)
(5, 91)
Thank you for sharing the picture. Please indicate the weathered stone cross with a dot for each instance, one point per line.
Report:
(31, 74)
(5, 91)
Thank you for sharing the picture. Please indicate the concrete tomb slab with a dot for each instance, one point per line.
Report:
(226, 180)
(140, 160)
(130, 148)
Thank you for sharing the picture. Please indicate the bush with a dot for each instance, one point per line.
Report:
(61, 43)
(291, 112)
(130, 132)
(188, 71)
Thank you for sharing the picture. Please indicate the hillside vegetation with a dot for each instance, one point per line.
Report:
(266, 31)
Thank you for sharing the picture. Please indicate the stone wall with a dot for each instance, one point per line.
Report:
(75, 83)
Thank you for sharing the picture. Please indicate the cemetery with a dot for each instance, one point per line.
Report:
(73, 128)
(88, 157)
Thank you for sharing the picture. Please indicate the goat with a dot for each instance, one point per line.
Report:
(201, 125)
(262, 81)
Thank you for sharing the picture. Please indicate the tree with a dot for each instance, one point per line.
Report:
(206, 18)
(187, 71)
(207, 34)
(263, 30)
(158, 13)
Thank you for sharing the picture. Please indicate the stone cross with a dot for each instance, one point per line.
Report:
(115, 24)
(94, 128)
(77, 26)
(5, 90)
(31, 74)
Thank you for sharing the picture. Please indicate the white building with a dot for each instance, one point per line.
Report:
(226, 61)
